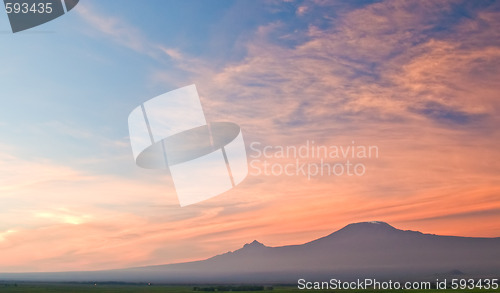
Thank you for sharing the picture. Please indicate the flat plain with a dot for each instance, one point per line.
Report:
(8, 287)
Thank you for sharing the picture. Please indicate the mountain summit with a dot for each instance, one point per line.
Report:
(254, 244)
(371, 224)
(367, 227)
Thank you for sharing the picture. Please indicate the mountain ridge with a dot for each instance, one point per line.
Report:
(364, 249)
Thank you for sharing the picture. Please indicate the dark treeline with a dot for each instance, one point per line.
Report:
(232, 288)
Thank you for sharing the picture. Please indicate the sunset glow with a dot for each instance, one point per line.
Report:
(418, 82)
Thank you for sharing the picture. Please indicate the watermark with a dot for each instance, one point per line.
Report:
(374, 284)
(310, 159)
(204, 159)
(26, 14)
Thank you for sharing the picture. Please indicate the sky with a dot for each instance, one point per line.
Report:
(416, 79)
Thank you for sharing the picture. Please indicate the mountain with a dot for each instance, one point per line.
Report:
(360, 250)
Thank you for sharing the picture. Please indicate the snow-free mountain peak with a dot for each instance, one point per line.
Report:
(373, 224)
(368, 227)
(253, 244)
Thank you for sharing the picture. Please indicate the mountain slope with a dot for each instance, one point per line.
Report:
(360, 250)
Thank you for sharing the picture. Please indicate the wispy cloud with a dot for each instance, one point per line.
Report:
(301, 10)
(389, 63)
(63, 215)
(5, 234)
(122, 33)
(116, 29)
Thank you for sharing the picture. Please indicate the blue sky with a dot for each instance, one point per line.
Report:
(417, 79)
(87, 77)
(86, 81)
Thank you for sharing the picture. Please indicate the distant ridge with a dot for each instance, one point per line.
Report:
(359, 250)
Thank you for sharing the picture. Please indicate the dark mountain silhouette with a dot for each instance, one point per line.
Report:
(360, 250)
